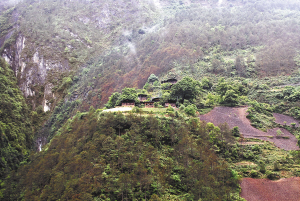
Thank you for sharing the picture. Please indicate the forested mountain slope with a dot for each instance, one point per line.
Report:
(125, 157)
(69, 56)
(16, 133)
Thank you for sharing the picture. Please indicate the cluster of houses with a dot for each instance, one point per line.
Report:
(143, 98)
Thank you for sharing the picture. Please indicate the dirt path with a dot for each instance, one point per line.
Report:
(267, 190)
(237, 117)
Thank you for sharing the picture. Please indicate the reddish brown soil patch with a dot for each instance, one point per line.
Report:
(281, 118)
(237, 117)
(267, 190)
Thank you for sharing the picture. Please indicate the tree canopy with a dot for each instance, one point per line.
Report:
(113, 100)
(230, 91)
(185, 89)
(152, 78)
(130, 157)
(129, 94)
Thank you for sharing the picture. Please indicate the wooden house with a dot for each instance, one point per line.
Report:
(149, 104)
(128, 103)
(172, 103)
(156, 99)
(171, 81)
(142, 97)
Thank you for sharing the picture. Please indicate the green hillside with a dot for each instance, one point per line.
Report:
(16, 134)
(131, 157)
(61, 59)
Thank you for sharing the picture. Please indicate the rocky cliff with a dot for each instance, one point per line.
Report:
(64, 36)
(33, 70)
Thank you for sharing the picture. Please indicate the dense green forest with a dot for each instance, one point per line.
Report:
(16, 134)
(73, 56)
(130, 157)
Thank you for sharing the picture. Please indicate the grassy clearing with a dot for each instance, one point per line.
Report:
(154, 110)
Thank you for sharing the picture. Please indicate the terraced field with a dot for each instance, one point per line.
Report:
(236, 116)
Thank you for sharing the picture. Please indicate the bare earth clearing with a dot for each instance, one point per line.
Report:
(267, 190)
(118, 109)
(281, 118)
(237, 117)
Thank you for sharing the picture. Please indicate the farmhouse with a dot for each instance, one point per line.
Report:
(148, 104)
(156, 99)
(172, 103)
(142, 97)
(171, 81)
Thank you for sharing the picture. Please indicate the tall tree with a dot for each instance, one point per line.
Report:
(129, 94)
(152, 78)
(185, 89)
(113, 100)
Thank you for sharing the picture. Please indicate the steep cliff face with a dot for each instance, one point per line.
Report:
(64, 36)
(33, 70)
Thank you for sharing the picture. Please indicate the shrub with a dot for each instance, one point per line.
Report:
(136, 110)
(171, 114)
(248, 155)
(256, 148)
(190, 110)
(272, 175)
(279, 133)
(170, 109)
(236, 132)
(276, 166)
(176, 114)
(186, 103)
(262, 167)
(253, 174)
(152, 78)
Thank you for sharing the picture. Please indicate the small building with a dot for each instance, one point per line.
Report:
(142, 97)
(155, 100)
(172, 103)
(171, 81)
(149, 104)
(128, 103)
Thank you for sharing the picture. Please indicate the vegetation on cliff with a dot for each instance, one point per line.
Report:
(16, 134)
